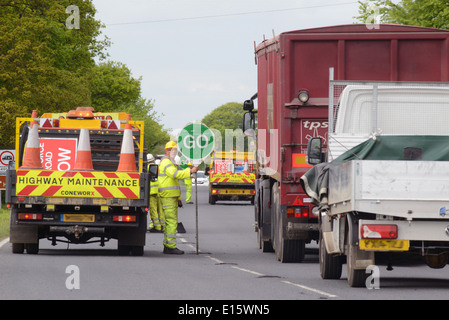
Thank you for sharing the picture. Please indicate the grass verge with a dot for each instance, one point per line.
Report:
(4, 223)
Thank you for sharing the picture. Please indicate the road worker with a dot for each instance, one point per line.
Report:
(188, 184)
(156, 214)
(170, 195)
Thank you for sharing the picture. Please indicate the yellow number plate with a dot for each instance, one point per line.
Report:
(78, 218)
(384, 245)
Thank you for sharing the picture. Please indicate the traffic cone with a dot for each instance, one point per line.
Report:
(127, 158)
(31, 158)
(83, 155)
(180, 228)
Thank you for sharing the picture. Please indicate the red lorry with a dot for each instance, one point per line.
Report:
(293, 94)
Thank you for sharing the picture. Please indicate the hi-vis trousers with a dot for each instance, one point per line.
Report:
(170, 207)
(156, 213)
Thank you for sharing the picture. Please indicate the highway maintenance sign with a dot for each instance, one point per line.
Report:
(195, 142)
(83, 184)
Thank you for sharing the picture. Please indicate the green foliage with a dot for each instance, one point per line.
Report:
(424, 13)
(227, 122)
(114, 89)
(47, 67)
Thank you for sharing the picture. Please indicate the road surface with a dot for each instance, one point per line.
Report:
(229, 265)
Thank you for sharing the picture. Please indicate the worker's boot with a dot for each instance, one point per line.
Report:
(172, 251)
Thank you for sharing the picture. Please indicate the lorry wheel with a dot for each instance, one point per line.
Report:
(137, 251)
(18, 248)
(32, 248)
(290, 250)
(211, 199)
(330, 266)
(266, 246)
(356, 278)
(123, 250)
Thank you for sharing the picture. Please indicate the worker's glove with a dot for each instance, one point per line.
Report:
(180, 203)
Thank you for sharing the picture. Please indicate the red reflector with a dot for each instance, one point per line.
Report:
(30, 216)
(124, 218)
(379, 231)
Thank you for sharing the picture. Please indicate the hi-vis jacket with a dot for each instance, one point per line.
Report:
(168, 178)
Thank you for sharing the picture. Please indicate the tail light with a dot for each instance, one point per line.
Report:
(379, 231)
(124, 218)
(30, 216)
(297, 212)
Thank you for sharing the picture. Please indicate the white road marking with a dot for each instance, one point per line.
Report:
(320, 292)
(3, 242)
(310, 289)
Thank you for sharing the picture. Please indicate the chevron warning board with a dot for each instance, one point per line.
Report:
(233, 177)
(81, 184)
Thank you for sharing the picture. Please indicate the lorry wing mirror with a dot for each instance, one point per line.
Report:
(314, 151)
(249, 123)
(206, 171)
(248, 105)
(153, 170)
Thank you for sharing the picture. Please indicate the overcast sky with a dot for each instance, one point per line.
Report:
(196, 55)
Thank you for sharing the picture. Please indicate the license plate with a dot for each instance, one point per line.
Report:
(384, 245)
(78, 217)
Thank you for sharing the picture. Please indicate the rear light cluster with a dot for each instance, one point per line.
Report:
(297, 212)
(124, 218)
(30, 216)
(379, 231)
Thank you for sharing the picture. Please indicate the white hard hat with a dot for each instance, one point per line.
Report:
(177, 160)
(158, 161)
(150, 157)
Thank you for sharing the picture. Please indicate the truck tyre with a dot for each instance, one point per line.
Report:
(137, 251)
(287, 250)
(330, 266)
(356, 278)
(32, 248)
(266, 246)
(290, 250)
(18, 247)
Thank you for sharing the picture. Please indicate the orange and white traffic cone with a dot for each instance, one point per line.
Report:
(31, 158)
(127, 158)
(83, 155)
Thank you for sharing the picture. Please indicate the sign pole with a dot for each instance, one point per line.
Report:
(195, 142)
(196, 209)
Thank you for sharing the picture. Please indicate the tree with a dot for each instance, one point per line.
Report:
(226, 120)
(48, 67)
(424, 13)
(113, 86)
(43, 65)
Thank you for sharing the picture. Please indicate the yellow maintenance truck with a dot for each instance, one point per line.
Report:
(231, 176)
(80, 177)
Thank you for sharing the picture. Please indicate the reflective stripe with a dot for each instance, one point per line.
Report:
(167, 206)
(161, 175)
(168, 166)
(154, 186)
(170, 188)
(175, 174)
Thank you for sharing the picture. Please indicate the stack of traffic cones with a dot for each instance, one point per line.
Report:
(83, 155)
(127, 157)
(31, 158)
